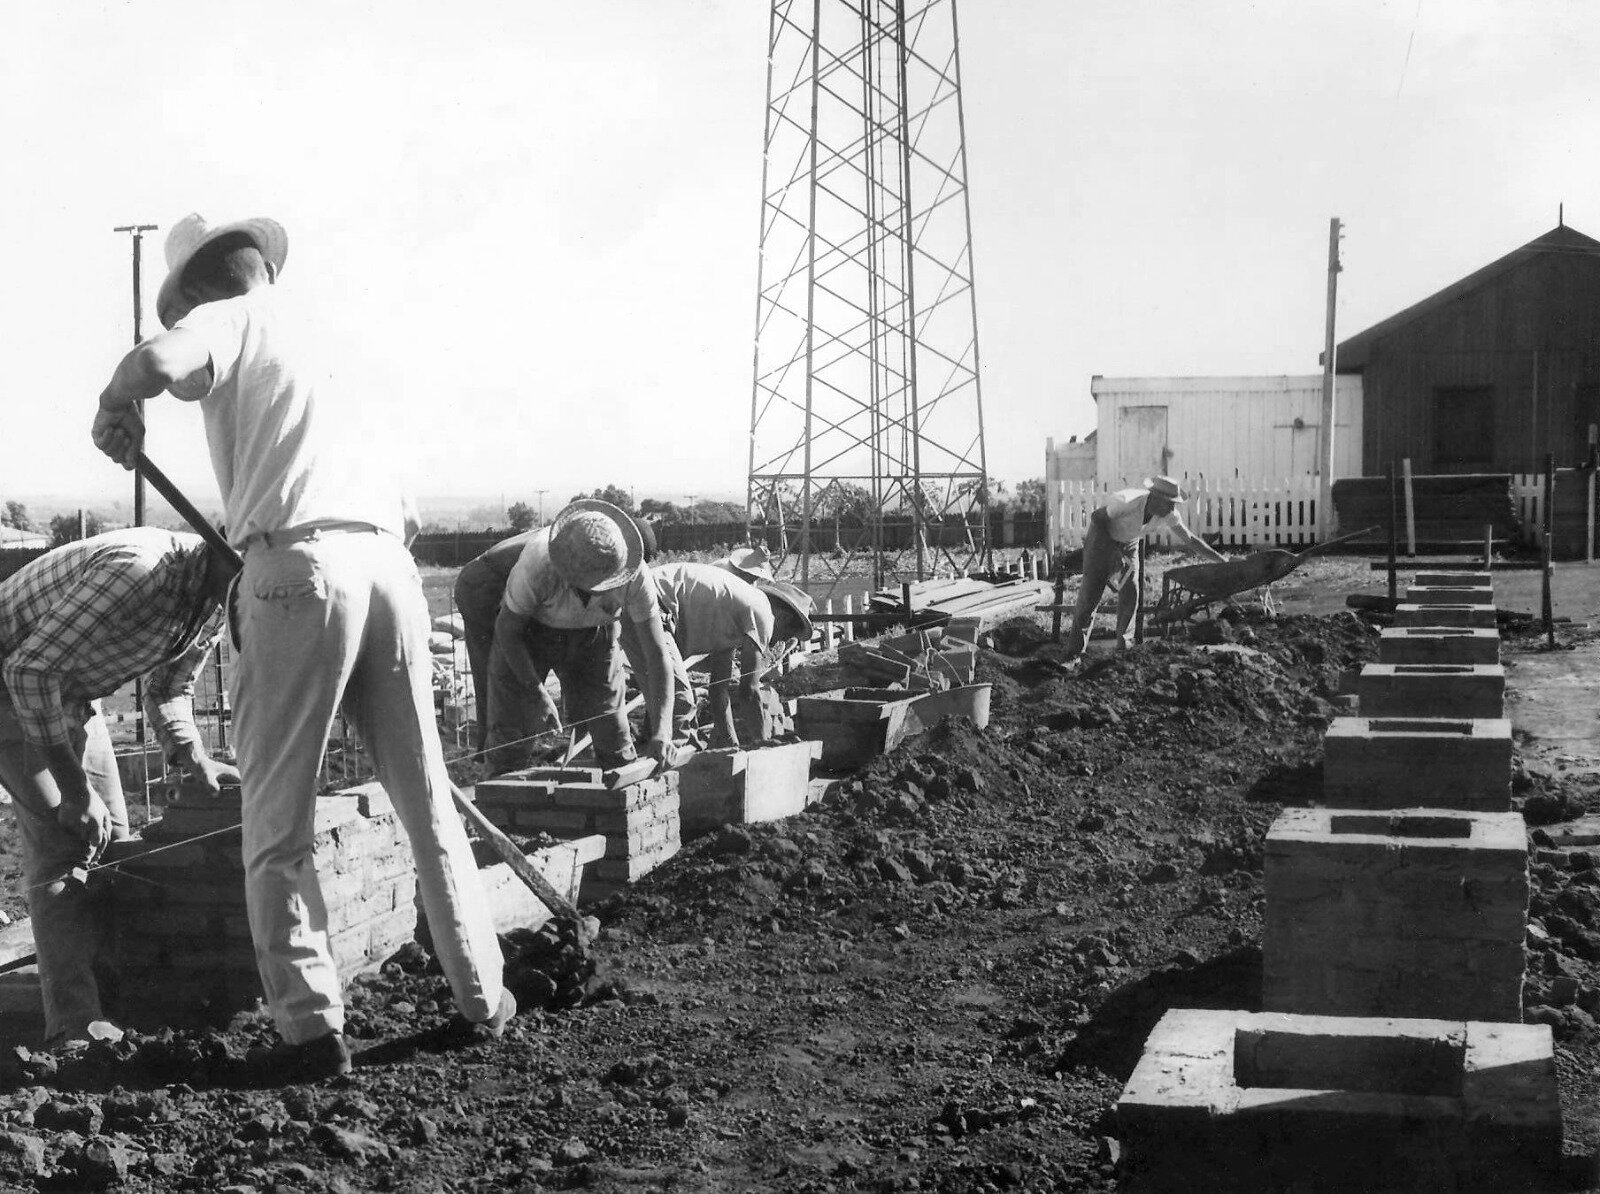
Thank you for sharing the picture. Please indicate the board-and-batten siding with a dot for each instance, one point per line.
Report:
(1230, 426)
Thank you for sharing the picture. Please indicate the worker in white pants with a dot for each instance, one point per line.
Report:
(331, 613)
(327, 617)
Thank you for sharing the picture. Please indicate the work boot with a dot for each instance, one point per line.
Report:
(1077, 641)
(320, 1058)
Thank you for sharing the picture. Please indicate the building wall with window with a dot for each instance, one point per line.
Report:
(1491, 373)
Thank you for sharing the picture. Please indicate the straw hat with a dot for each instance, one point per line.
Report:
(1167, 488)
(752, 563)
(191, 234)
(595, 546)
(795, 599)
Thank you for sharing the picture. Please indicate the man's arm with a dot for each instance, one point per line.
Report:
(177, 359)
(169, 705)
(32, 675)
(653, 636)
(511, 644)
(1197, 545)
(720, 666)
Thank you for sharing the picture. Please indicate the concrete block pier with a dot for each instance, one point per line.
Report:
(1457, 614)
(1441, 644)
(1417, 762)
(1236, 1101)
(1432, 690)
(1416, 912)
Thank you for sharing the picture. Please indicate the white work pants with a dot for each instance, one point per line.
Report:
(325, 619)
(67, 931)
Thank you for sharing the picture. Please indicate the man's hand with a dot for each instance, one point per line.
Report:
(119, 434)
(85, 816)
(659, 748)
(210, 775)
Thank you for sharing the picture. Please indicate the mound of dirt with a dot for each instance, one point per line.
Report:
(937, 978)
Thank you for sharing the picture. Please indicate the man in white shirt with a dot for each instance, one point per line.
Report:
(331, 614)
(1111, 549)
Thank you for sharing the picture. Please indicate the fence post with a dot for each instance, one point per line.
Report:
(848, 630)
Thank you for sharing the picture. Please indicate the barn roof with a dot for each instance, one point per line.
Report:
(1559, 240)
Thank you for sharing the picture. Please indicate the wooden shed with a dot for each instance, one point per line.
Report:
(1261, 428)
(1490, 373)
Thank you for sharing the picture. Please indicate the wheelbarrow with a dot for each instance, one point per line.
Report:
(1187, 590)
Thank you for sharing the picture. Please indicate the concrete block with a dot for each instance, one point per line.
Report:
(854, 725)
(512, 904)
(1432, 690)
(1231, 1100)
(1412, 912)
(739, 787)
(1449, 595)
(1419, 762)
(1448, 644)
(1407, 614)
(1475, 580)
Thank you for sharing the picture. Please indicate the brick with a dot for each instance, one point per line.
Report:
(1230, 1100)
(1413, 644)
(1440, 614)
(1415, 912)
(1459, 763)
(1432, 690)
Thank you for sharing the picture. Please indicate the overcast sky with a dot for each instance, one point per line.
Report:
(544, 215)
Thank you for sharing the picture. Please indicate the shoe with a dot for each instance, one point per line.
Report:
(495, 1025)
(463, 1031)
(320, 1058)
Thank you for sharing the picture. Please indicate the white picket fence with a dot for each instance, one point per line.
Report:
(1240, 511)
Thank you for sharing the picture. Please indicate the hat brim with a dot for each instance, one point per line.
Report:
(631, 539)
(269, 236)
(1181, 496)
(793, 599)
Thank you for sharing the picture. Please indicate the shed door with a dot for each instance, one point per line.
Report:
(1142, 441)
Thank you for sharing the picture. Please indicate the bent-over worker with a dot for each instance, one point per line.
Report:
(480, 585)
(76, 625)
(708, 610)
(1111, 549)
(331, 615)
(573, 582)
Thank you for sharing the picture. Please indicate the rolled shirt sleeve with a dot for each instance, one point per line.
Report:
(169, 699)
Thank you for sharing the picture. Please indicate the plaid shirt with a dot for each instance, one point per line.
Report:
(83, 620)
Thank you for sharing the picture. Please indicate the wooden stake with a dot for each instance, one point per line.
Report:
(1547, 605)
(1594, 437)
(1411, 510)
(1394, 585)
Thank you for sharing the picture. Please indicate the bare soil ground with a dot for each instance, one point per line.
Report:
(936, 979)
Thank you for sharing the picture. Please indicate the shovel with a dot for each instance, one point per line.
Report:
(558, 904)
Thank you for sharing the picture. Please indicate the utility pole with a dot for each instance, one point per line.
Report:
(138, 231)
(541, 493)
(1326, 522)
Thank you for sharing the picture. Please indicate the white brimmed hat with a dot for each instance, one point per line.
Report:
(191, 234)
(794, 598)
(594, 546)
(1167, 487)
(752, 563)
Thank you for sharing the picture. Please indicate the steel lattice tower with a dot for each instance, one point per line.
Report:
(866, 415)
